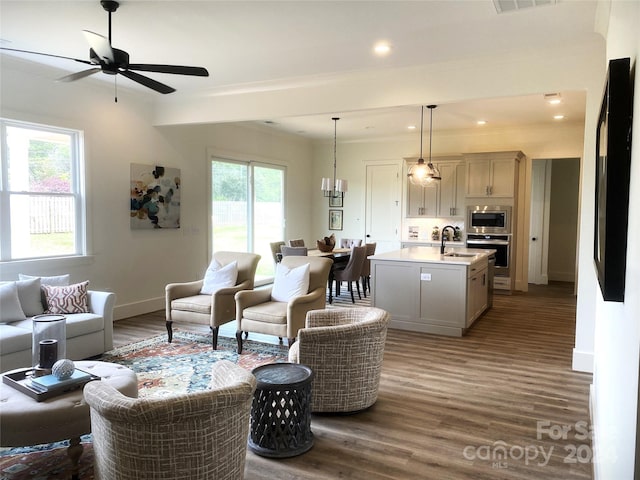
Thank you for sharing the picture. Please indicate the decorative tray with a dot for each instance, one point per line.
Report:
(22, 381)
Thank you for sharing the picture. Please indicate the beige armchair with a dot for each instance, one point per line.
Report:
(198, 435)
(257, 312)
(185, 303)
(344, 348)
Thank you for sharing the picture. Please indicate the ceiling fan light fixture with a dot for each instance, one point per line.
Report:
(421, 173)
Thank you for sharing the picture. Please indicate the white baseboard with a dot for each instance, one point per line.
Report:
(562, 276)
(138, 308)
(582, 361)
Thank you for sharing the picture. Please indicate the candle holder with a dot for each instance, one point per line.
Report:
(49, 341)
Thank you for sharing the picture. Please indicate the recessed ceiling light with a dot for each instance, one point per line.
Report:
(481, 122)
(558, 117)
(412, 127)
(382, 48)
(553, 98)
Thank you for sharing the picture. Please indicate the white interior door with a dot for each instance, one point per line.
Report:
(382, 209)
(539, 222)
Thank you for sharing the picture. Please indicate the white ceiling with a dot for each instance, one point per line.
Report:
(247, 45)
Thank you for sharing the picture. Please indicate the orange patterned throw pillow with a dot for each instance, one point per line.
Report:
(67, 299)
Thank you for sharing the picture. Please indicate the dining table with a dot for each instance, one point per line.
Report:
(340, 257)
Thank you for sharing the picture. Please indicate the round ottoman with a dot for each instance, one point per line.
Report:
(24, 421)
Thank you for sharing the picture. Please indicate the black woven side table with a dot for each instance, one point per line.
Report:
(281, 410)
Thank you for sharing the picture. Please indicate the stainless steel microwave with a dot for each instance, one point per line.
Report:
(488, 219)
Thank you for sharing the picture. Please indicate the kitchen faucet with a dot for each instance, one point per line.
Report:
(442, 234)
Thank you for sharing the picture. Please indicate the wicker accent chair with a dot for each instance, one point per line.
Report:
(257, 312)
(344, 347)
(198, 435)
(185, 303)
(298, 242)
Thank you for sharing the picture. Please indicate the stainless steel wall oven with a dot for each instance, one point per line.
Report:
(500, 243)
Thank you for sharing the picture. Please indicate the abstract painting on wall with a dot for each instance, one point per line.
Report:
(155, 197)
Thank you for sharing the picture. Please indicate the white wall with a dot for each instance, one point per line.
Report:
(137, 264)
(617, 325)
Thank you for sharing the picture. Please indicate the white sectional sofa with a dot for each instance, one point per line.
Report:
(88, 334)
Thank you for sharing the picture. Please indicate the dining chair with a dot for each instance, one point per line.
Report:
(296, 243)
(350, 242)
(366, 268)
(293, 251)
(275, 250)
(351, 272)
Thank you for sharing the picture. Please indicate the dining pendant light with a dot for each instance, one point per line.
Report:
(422, 173)
(334, 187)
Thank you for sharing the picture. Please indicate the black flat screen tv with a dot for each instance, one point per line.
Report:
(613, 167)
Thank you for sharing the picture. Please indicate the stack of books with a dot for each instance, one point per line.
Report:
(51, 383)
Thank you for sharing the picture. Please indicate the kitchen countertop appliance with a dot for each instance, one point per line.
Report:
(488, 219)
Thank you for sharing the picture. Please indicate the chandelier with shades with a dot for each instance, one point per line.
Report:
(334, 187)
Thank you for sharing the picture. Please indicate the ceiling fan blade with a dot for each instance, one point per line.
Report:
(100, 45)
(79, 75)
(46, 55)
(147, 82)
(176, 69)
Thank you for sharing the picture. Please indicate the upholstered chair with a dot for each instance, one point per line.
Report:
(184, 302)
(366, 268)
(344, 347)
(350, 242)
(281, 309)
(299, 242)
(289, 251)
(351, 272)
(197, 435)
(275, 250)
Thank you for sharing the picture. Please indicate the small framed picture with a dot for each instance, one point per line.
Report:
(336, 201)
(335, 219)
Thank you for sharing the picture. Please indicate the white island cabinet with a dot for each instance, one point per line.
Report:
(425, 291)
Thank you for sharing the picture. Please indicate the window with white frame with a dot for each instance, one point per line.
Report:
(41, 192)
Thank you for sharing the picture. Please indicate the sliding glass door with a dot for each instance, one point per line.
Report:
(247, 209)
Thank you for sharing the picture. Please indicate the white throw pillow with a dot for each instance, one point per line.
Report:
(10, 309)
(30, 297)
(57, 280)
(218, 276)
(290, 283)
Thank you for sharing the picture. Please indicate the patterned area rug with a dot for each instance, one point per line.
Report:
(162, 368)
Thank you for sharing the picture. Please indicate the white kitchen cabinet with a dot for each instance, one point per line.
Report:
(477, 292)
(444, 198)
(493, 175)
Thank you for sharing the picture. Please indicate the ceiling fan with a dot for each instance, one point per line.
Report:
(112, 61)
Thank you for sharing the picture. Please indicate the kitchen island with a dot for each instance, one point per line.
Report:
(426, 291)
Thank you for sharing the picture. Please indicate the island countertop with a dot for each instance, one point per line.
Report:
(469, 256)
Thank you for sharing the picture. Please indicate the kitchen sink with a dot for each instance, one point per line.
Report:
(455, 254)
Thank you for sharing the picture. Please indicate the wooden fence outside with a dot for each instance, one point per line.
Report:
(51, 214)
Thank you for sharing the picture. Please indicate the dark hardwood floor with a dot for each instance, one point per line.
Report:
(499, 403)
